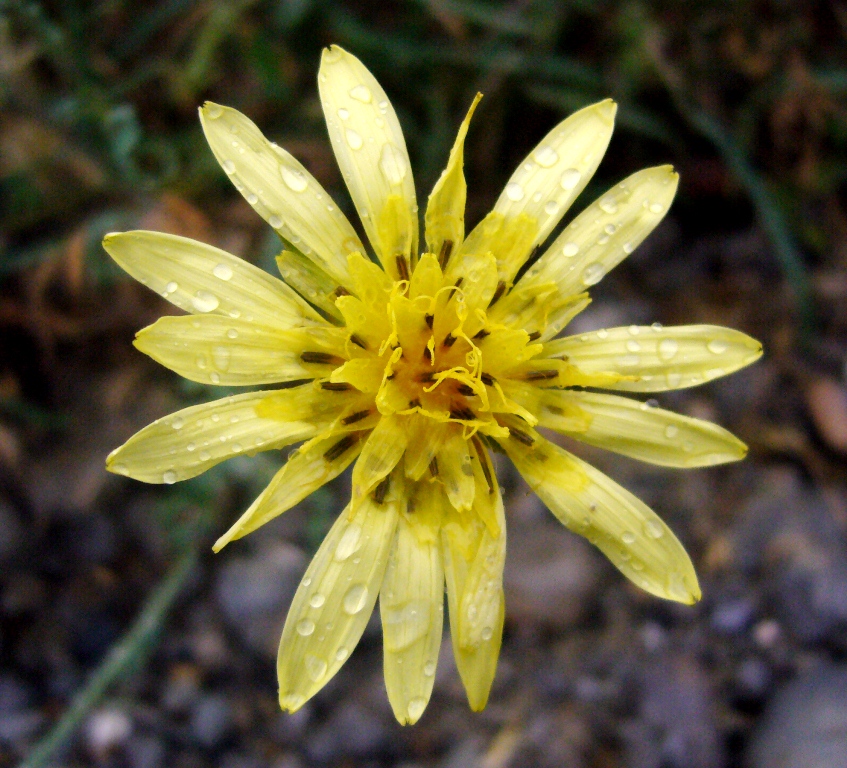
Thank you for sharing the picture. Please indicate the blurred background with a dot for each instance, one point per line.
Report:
(125, 642)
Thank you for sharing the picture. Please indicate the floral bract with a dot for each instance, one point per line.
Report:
(413, 369)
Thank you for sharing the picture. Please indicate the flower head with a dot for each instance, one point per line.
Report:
(415, 368)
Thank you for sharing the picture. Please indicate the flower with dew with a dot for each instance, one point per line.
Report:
(413, 369)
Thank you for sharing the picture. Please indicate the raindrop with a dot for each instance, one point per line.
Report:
(171, 286)
(343, 113)
(190, 447)
(393, 164)
(222, 272)
(305, 627)
(668, 349)
(215, 379)
(628, 248)
(383, 106)
(657, 326)
(570, 249)
(252, 198)
(628, 537)
(674, 379)
(656, 208)
(341, 654)
(416, 708)
(551, 207)
(609, 229)
(349, 542)
(545, 156)
(315, 667)
(317, 600)
(232, 333)
(570, 178)
(204, 301)
(633, 346)
(717, 347)
(275, 221)
(607, 205)
(671, 431)
(602, 334)
(221, 357)
(295, 180)
(355, 599)
(654, 529)
(353, 139)
(214, 111)
(429, 668)
(237, 448)
(170, 477)
(121, 469)
(361, 93)
(177, 423)
(593, 273)
(514, 191)
(486, 633)
(228, 166)
(204, 455)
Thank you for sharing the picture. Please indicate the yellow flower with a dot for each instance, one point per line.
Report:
(415, 369)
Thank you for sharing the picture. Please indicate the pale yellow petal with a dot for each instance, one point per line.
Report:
(635, 429)
(445, 212)
(192, 440)
(306, 470)
(202, 279)
(625, 529)
(455, 469)
(411, 604)
(334, 601)
(220, 350)
(280, 189)
(381, 453)
(654, 358)
(606, 232)
(476, 630)
(543, 188)
(371, 152)
(311, 282)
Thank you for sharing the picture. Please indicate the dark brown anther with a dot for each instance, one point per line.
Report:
(461, 413)
(521, 436)
(402, 266)
(381, 491)
(554, 409)
(444, 253)
(321, 358)
(428, 320)
(458, 284)
(416, 403)
(341, 291)
(541, 375)
(480, 335)
(487, 379)
(433, 466)
(464, 389)
(482, 458)
(426, 377)
(354, 417)
(427, 353)
(333, 386)
(340, 448)
(449, 340)
(499, 291)
(358, 341)
(535, 335)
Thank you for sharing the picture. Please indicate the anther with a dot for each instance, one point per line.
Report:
(333, 386)
(433, 466)
(428, 320)
(464, 389)
(487, 379)
(521, 436)
(444, 253)
(479, 335)
(427, 353)
(426, 377)
(416, 403)
(340, 448)
(541, 375)
(461, 413)
(381, 491)
(358, 341)
(321, 358)
(354, 417)
(498, 292)
(482, 458)
(402, 266)
(535, 335)
(449, 340)
(341, 291)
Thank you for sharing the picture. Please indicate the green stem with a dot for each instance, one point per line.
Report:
(129, 650)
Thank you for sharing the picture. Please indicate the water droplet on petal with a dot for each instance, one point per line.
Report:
(361, 93)
(545, 156)
(607, 205)
(222, 272)
(393, 164)
(252, 198)
(354, 140)
(232, 333)
(341, 654)
(717, 347)
(416, 708)
(570, 249)
(343, 113)
(429, 668)
(570, 178)
(221, 357)
(628, 248)
(671, 431)
(305, 627)
(203, 301)
(551, 207)
(295, 180)
(514, 191)
(204, 455)
(213, 111)
(177, 423)
(215, 378)
(349, 542)
(609, 229)
(656, 208)
(593, 273)
(486, 633)
(633, 346)
(315, 667)
(654, 529)
(628, 537)
(674, 379)
(355, 599)
(120, 468)
(602, 334)
(668, 348)
(383, 106)
(171, 287)
(228, 166)
(191, 447)
(170, 477)
(317, 600)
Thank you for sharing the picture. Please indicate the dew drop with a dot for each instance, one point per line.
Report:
(551, 207)
(656, 208)
(341, 654)
(514, 191)
(252, 198)
(317, 600)
(628, 537)
(222, 272)
(570, 178)
(228, 166)
(593, 273)
(305, 627)
(671, 431)
(190, 447)
(215, 379)
(657, 326)
(545, 156)
(429, 668)
(171, 287)
(570, 249)
(654, 529)
(343, 113)
(416, 708)
(717, 347)
(674, 379)
(177, 423)
(237, 447)
(607, 205)
(203, 301)
(232, 333)
(213, 111)
(633, 346)
(275, 221)
(383, 106)
(349, 542)
(486, 633)
(602, 334)
(307, 581)
(668, 349)
(295, 180)
(361, 93)
(170, 477)
(355, 599)
(609, 229)
(315, 667)
(221, 357)
(354, 140)
(393, 164)
(121, 469)
(204, 455)
(628, 248)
